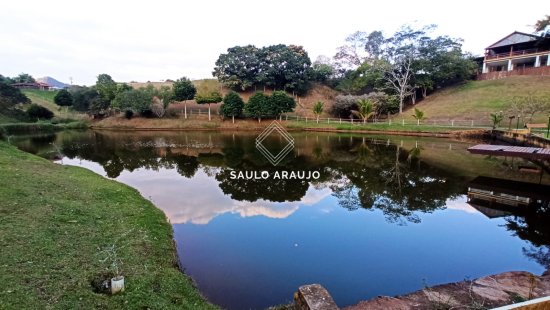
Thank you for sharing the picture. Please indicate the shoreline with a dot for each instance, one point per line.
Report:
(474, 132)
(55, 231)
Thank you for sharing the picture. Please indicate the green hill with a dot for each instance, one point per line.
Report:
(45, 99)
(475, 100)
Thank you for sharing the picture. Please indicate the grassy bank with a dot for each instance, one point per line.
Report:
(250, 124)
(56, 220)
(476, 100)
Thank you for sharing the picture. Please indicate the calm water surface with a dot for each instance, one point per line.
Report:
(388, 215)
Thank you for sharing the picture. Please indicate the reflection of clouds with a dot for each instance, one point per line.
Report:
(199, 200)
(460, 204)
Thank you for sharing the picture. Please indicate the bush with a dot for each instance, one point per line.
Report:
(36, 112)
(128, 114)
(383, 104)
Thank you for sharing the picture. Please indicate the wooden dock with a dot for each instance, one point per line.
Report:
(537, 153)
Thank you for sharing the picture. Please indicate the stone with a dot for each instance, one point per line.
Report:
(314, 297)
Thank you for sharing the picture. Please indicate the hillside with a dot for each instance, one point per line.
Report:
(45, 99)
(304, 104)
(475, 100)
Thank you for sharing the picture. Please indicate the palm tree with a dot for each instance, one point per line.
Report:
(418, 115)
(496, 118)
(318, 109)
(365, 109)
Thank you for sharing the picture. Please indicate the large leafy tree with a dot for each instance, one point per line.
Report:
(106, 87)
(63, 98)
(239, 68)
(232, 105)
(84, 97)
(137, 100)
(183, 90)
(286, 67)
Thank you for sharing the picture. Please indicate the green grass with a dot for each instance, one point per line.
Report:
(376, 127)
(475, 100)
(56, 220)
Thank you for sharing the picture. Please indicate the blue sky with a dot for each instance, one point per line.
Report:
(158, 40)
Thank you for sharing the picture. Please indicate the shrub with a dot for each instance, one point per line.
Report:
(36, 112)
(128, 114)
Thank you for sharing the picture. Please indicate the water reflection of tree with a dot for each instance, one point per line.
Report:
(360, 173)
(534, 228)
(395, 182)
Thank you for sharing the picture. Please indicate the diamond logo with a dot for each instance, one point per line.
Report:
(275, 127)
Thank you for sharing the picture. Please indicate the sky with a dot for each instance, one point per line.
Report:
(158, 40)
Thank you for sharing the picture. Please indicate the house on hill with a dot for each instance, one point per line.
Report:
(517, 54)
(38, 85)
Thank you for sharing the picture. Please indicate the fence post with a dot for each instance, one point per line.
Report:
(403, 122)
(389, 121)
(452, 123)
(472, 123)
(328, 120)
(306, 119)
(286, 119)
(340, 121)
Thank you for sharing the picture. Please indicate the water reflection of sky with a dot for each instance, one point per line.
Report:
(199, 200)
(252, 255)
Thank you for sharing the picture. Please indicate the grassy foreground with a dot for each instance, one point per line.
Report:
(55, 220)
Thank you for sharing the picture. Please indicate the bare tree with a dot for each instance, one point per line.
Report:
(398, 75)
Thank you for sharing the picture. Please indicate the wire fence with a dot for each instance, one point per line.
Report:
(389, 122)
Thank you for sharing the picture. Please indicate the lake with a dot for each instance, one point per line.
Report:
(385, 215)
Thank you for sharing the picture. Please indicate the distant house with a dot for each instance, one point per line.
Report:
(516, 54)
(39, 85)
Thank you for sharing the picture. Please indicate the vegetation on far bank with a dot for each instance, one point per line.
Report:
(55, 230)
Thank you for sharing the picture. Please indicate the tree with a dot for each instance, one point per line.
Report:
(232, 105)
(286, 67)
(399, 77)
(106, 87)
(257, 106)
(542, 23)
(318, 109)
(137, 100)
(184, 90)
(418, 115)
(239, 68)
(279, 102)
(496, 118)
(24, 78)
(161, 100)
(406, 61)
(83, 97)
(365, 109)
(63, 98)
(322, 69)
(36, 112)
(208, 98)
(11, 96)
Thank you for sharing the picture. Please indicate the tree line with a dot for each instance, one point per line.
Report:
(406, 65)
